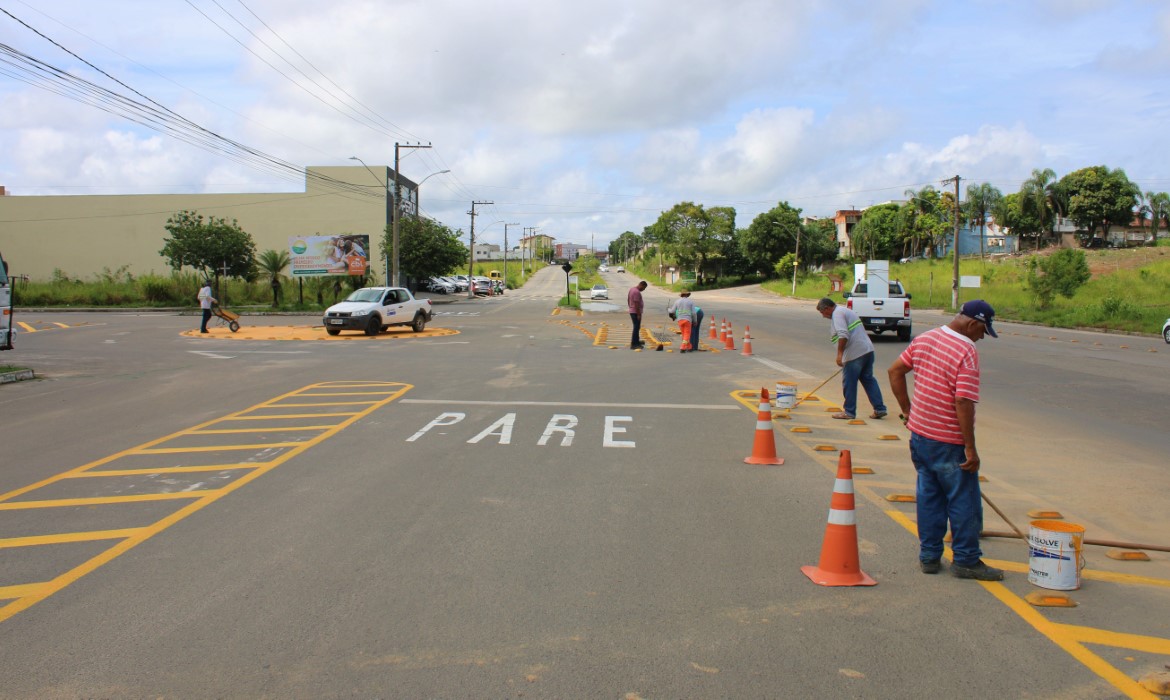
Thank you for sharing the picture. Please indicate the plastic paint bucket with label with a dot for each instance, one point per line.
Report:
(1055, 554)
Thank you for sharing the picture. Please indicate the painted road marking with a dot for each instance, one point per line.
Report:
(1073, 639)
(249, 425)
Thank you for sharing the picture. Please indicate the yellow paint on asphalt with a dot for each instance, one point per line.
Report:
(1071, 638)
(21, 596)
(311, 333)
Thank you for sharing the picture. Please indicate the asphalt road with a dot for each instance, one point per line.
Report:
(518, 510)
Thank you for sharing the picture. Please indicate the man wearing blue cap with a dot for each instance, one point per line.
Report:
(942, 438)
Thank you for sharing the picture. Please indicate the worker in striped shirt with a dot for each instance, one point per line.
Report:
(941, 420)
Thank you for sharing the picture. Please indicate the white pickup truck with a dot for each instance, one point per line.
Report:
(884, 310)
(5, 307)
(374, 309)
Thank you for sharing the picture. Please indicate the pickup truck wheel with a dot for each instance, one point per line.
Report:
(419, 324)
(333, 331)
(374, 326)
(904, 334)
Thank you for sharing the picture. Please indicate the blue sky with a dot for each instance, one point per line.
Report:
(587, 120)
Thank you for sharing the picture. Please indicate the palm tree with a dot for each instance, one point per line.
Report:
(270, 264)
(1040, 196)
(1157, 206)
(981, 200)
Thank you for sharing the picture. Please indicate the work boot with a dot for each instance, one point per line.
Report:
(930, 567)
(978, 571)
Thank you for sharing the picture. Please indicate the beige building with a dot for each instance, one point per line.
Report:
(82, 235)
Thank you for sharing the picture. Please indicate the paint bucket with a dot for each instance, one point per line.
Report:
(785, 395)
(1055, 554)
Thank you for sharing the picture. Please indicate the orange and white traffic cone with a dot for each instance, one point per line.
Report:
(723, 331)
(747, 341)
(713, 334)
(730, 340)
(839, 564)
(764, 445)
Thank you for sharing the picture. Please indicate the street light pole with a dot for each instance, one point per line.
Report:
(506, 252)
(389, 216)
(471, 252)
(796, 261)
(396, 212)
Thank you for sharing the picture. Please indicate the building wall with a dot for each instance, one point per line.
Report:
(81, 235)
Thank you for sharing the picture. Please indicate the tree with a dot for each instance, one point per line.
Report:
(819, 245)
(1010, 212)
(981, 200)
(1042, 200)
(692, 234)
(270, 265)
(1098, 198)
(210, 246)
(428, 248)
(921, 222)
(1156, 207)
(1063, 273)
(769, 237)
(876, 234)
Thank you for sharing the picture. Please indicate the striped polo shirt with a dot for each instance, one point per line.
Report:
(946, 367)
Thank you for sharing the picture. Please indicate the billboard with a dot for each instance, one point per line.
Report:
(315, 256)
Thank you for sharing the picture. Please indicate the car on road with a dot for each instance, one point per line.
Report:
(1166, 331)
(603, 268)
(620, 269)
(374, 309)
(599, 291)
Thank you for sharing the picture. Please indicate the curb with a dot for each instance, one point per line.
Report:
(19, 375)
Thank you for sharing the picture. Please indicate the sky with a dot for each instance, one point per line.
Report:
(584, 120)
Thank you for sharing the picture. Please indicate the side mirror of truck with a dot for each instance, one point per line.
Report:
(846, 294)
(908, 295)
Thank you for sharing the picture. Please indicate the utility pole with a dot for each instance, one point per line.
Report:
(955, 276)
(396, 213)
(506, 252)
(471, 253)
(796, 261)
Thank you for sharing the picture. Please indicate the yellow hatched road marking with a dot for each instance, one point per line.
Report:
(229, 431)
(27, 328)
(323, 403)
(66, 537)
(165, 470)
(280, 416)
(106, 500)
(24, 596)
(213, 448)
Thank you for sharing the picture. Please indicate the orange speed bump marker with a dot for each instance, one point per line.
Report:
(840, 564)
(1043, 599)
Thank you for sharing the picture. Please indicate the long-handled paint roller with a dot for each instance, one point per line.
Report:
(834, 374)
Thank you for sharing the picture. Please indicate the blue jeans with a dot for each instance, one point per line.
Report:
(860, 369)
(636, 319)
(946, 492)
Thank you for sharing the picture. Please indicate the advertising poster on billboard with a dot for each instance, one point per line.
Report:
(315, 256)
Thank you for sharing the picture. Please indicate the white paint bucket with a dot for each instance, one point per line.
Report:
(1055, 554)
(785, 395)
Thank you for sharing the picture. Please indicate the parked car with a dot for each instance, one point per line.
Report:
(599, 291)
(1166, 330)
(483, 286)
(439, 286)
(458, 284)
(374, 309)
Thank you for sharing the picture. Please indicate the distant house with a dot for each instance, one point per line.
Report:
(845, 220)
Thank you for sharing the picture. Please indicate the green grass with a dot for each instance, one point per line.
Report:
(10, 368)
(1129, 290)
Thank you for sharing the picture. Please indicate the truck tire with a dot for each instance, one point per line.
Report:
(904, 334)
(332, 331)
(374, 326)
(419, 324)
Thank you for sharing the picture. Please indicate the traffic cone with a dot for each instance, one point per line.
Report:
(713, 334)
(747, 341)
(764, 445)
(723, 331)
(839, 565)
(730, 340)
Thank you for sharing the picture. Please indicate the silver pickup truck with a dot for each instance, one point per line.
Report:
(374, 309)
(889, 312)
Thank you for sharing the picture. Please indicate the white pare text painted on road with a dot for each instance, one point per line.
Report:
(560, 424)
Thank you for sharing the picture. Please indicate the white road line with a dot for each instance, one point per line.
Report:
(585, 404)
(783, 368)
